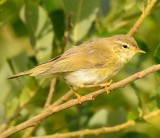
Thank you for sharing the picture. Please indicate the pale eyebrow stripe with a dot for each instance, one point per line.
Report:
(122, 43)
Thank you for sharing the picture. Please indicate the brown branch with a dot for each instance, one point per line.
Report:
(48, 112)
(141, 18)
(64, 98)
(100, 130)
(51, 92)
(152, 114)
(86, 132)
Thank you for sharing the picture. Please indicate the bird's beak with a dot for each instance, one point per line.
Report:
(139, 51)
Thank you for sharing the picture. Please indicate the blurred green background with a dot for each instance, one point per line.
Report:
(32, 32)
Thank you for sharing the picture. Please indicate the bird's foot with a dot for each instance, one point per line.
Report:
(106, 86)
(78, 97)
(76, 94)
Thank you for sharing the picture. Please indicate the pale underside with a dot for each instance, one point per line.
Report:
(89, 76)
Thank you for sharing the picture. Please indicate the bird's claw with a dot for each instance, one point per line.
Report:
(79, 99)
(106, 86)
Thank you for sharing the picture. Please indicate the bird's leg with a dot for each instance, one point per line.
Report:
(76, 94)
(104, 85)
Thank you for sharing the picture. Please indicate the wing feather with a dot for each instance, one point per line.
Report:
(95, 54)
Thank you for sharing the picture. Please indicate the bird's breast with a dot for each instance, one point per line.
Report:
(90, 76)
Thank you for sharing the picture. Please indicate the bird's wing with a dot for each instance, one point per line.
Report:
(95, 54)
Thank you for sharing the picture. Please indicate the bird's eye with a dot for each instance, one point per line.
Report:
(124, 46)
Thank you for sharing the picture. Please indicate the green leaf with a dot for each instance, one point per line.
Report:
(44, 35)
(133, 115)
(8, 10)
(12, 105)
(99, 118)
(84, 14)
(39, 26)
(44, 48)
(29, 15)
(25, 96)
(142, 45)
(28, 92)
(107, 117)
(2, 113)
(52, 5)
(135, 135)
(155, 99)
(57, 16)
(141, 4)
(2, 1)
(157, 54)
(41, 22)
(137, 92)
(20, 63)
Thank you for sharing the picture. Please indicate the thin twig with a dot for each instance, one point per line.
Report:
(67, 30)
(90, 132)
(48, 112)
(51, 92)
(141, 18)
(64, 98)
(100, 130)
(152, 114)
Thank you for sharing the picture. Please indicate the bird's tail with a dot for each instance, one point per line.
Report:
(36, 71)
(28, 72)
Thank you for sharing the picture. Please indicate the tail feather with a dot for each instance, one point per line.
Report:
(20, 74)
(36, 71)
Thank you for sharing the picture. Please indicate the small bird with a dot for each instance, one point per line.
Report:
(89, 64)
